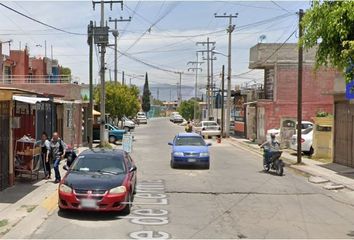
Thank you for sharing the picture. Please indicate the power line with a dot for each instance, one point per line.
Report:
(284, 9)
(40, 22)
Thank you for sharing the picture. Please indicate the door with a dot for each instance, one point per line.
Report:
(4, 143)
(343, 139)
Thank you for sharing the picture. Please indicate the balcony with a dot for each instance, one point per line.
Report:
(36, 79)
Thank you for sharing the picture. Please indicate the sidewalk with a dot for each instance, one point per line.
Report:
(335, 173)
(27, 204)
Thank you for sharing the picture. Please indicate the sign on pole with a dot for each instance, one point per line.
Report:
(127, 142)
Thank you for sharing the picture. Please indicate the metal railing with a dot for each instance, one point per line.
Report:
(18, 79)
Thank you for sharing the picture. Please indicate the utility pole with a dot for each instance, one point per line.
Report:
(179, 89)
(123, 80)
(208, 43)
(158, 93)
(115, 34)
(299, 90)
(101, 38)
(230, 29)
(90, 108)
(196, 68)
(222, 101)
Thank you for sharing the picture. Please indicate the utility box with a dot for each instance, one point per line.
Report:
(323, 137)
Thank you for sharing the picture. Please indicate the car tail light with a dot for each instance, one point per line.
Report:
(302, 140)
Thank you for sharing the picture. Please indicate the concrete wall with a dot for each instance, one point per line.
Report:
(21, 67)
(287, 53)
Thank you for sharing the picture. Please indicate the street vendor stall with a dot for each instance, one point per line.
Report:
(27, 157)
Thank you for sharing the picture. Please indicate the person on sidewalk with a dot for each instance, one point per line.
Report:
(70, 155)
(269, 147)
(45, 149)
(57, 153)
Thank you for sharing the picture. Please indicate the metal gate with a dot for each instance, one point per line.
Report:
(344, 134)
(4, 143)
(45, 118)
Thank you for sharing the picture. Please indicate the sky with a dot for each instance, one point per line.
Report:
(162, 34)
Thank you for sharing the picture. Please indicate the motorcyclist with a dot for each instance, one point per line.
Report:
(70, 155)
(269, 147)
(189, 127)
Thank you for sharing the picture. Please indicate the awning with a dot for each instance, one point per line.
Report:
(95, 113)
(30, 100)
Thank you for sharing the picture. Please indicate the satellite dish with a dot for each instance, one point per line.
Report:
(262, 38)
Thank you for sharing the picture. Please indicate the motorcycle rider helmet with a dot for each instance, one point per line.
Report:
(272, 135)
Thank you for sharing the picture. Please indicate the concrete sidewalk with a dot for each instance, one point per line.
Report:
(28, 203)
(335, 173)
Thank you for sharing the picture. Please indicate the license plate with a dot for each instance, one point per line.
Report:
(192, 160)
(88, 203)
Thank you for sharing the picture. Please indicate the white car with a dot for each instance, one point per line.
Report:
(128, 124)
(173, 115)
(207, 129)
(177, 119)
(276, 131)
(306, 141)
(141, 118)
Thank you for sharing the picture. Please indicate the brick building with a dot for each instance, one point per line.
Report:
(278, 102)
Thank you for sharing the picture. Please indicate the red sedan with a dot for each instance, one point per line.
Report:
(99, 180)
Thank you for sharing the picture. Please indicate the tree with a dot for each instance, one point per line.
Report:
(121, 100)
(146, 95)
(66, 73)
(186, 109)
(330, 25)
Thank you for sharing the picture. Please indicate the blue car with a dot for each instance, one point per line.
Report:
(190, 149)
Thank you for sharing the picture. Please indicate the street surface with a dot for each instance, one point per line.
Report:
(234, 199)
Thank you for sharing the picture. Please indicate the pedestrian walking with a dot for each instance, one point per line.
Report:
(45, 149)
(57, 153)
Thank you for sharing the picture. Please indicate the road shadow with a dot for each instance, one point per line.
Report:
(90, 215)
(273, 173)
(190, 168)
(23, 186)
(350, 234)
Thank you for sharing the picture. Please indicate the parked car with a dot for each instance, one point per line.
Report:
(207, 128)
(99, 180)
(276, 131)
(189, 149)
(128, 124)
(306, 141)
(173, 114)
(141, 118)
(177, 118)
(114, 133)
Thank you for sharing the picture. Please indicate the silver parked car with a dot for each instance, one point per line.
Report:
(207, 129)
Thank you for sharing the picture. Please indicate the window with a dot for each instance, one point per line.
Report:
(100, 163)
(189, 141)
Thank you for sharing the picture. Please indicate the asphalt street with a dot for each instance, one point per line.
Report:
(233, 199)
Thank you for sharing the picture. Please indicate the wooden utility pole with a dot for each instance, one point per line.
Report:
(208, 43)
(196, 68)
(222, 101)
(101, 38)
(299, 90)
(115, 34)
(230, 29)
(90, 108)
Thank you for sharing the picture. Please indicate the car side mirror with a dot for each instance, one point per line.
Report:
(170, 144)
(208, 144)
(132, 169)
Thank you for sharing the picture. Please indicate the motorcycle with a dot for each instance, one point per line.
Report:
(271, 160)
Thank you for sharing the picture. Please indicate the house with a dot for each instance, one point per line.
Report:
(278, 102)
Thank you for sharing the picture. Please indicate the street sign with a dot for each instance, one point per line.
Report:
(127, 142)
